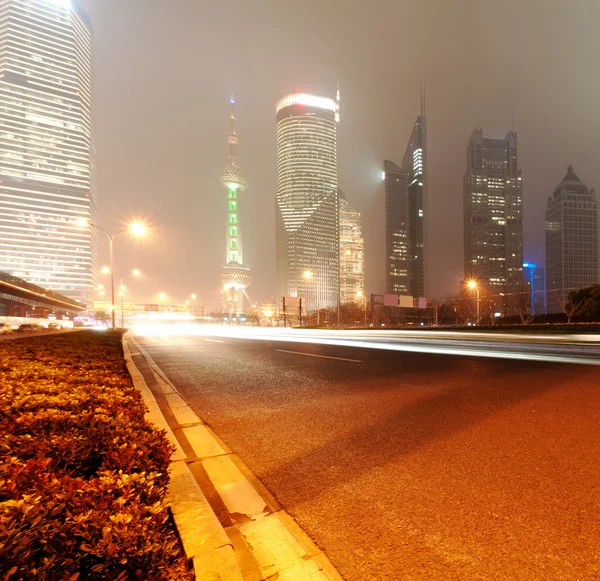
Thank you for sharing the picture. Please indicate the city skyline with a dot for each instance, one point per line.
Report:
(379, 105)
(46, 146)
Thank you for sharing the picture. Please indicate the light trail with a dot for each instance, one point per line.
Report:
(581, 349)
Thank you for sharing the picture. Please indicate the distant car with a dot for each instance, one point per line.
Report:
(5, 329)
(54, 326)
(29, 328)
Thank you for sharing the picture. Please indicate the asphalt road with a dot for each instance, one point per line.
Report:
(411, 465)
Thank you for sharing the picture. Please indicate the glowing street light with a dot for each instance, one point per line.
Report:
(162, 296)
(105, 269)
(135, 229)
(473, 285)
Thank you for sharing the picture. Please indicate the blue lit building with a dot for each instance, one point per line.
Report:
(537, 283)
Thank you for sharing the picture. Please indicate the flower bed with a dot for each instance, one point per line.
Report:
(83, 476)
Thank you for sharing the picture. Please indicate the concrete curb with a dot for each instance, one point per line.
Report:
(204, 539)
(266, 540)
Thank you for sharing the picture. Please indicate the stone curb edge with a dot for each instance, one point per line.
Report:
(204, 539)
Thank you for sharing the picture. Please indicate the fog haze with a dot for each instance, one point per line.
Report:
(164, 70)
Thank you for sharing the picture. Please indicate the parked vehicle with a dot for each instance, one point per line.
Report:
(54, 326)
(29, 328)
(5, 329)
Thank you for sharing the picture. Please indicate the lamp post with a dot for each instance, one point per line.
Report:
(308, 275)
(123, 288)
(473, 285)
(364, 297)
(135, 228)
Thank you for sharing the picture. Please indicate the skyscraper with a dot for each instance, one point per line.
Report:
(397, 242)
(415, 162)
(493, 217)
(571, 240)
(307, 209)
(46, 148)
(405, 200)
(235, 277)
(352, 254)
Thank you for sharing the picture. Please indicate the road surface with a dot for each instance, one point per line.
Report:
(407, 465)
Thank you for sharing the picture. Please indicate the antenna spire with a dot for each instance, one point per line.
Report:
(423, 86)
(232, 139)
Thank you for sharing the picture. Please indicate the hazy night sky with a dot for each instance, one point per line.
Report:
(164, 69)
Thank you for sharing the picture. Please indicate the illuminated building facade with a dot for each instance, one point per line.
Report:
(46, 149)
(307, 209)
(405, 201)
(352, 254)
(235, 277)
(536, 277)
(397, 243)
(571, 240)
(415, 162)
(493, 217)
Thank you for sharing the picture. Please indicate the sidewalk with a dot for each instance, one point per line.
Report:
(230, 525)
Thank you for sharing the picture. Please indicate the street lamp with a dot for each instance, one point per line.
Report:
(136, 229)
(360, 294)
(473, 285)
(122, 287)
(308, 276)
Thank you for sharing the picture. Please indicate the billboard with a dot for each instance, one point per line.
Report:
(390, 300)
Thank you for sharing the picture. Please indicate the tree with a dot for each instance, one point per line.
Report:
(523, 305)
(584, 303)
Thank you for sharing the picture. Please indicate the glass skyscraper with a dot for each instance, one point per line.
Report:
(493, 217)
(571, 240)
(46, 148)
(405, 201)
(397, 242)
(352, 254)
(307, 209)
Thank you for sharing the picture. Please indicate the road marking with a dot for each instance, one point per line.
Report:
(214, 340)
(321, 356)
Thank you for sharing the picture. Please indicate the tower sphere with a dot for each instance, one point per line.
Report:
(235, 277)
(233, 177)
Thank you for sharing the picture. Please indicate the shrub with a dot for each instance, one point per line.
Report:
(83, 476)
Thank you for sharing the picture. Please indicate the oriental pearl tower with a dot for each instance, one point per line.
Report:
(235, 277)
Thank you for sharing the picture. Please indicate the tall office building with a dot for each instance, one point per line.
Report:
(493, 217)
(397, 242)
(307, 247)
(235, 277)
(46, 149)
(571, 240)
(352, 254)
(405, 200)
(415, 162)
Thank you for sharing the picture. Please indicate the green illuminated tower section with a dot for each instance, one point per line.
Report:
(235, 277)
